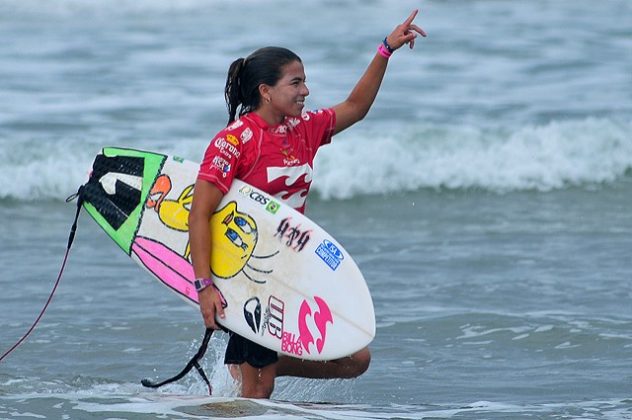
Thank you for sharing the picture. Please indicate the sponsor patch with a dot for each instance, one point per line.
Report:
(236, 124)
(273, 207)
(246, 135)
(221, 164)
(232, 139)
(330, 254)
(227, 148)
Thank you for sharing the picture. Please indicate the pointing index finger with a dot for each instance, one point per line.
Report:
(410, 18)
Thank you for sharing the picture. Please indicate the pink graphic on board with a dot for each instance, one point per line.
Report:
(170, 267)
(166, 264)
(320, 317)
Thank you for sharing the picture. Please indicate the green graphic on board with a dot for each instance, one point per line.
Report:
(118, 188)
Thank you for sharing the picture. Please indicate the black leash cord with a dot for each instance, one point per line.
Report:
(71, 238)
(193, 363)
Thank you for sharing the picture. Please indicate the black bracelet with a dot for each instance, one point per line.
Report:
(388, 47)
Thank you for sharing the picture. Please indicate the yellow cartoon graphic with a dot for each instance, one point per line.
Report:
(234, 237)
(173, 213)
(233, 234)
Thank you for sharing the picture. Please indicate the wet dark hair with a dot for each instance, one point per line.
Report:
(246, 74)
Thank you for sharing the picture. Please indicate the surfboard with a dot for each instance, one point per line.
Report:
(285, 282)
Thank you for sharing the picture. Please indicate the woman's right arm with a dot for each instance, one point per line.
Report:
(205, 201)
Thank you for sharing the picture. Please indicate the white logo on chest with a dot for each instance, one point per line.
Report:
(291, 174)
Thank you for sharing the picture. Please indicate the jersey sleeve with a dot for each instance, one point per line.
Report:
(221, 158)
(320, 126)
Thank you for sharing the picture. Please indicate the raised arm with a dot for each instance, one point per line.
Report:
(357, 105)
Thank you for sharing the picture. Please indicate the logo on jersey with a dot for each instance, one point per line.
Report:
(221, 164)
(246, 136)
(292, 178)
(232, 139)
(227, 147)
(235, 124)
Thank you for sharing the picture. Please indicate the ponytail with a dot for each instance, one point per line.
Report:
(246, 75)
(232, 91)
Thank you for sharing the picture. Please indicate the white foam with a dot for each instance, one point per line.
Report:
(542, 158)
(554, 156)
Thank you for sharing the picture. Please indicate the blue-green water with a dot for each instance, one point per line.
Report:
(486, 198)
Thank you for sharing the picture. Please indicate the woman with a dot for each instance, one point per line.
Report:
(272, 146)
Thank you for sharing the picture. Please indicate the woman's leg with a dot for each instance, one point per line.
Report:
(257, 382)
(346, 367)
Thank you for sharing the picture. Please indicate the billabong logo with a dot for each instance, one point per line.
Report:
(320, 318)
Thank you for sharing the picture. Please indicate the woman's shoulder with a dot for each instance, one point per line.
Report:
(239, 131)
(310, 117)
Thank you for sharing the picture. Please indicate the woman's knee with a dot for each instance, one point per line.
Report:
(360, 362)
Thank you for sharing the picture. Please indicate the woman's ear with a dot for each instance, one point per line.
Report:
(264, 92)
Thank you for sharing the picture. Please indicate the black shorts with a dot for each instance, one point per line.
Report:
(240, 350)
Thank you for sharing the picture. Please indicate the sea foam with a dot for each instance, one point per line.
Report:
(359, 162)
(543, 158)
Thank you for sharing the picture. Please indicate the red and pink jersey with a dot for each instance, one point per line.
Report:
(276, 159)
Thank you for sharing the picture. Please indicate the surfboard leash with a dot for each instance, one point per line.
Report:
(193, 363)
(71, 238)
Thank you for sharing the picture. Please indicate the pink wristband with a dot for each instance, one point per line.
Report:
(384, 52)
(202, 283)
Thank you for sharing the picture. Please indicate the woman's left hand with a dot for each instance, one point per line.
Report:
(405, 33)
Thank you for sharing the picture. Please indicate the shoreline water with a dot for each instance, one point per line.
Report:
(486, 198)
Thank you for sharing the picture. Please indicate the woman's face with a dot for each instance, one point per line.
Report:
(287, 97)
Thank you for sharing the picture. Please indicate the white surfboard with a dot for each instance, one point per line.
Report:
(286, 283)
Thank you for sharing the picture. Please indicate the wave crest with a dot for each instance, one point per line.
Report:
(380, 161)
(543, 158)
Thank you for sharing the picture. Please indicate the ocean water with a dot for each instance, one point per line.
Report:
(486, 197)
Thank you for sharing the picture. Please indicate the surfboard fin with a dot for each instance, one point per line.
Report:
(193, 363)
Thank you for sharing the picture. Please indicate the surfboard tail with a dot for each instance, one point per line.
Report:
(117, 189)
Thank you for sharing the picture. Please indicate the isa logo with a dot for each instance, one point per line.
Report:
(330, 254)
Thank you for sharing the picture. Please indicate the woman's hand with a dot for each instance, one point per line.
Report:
(211, 304)
(405, 33)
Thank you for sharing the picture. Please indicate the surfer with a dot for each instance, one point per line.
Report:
(270, 142)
